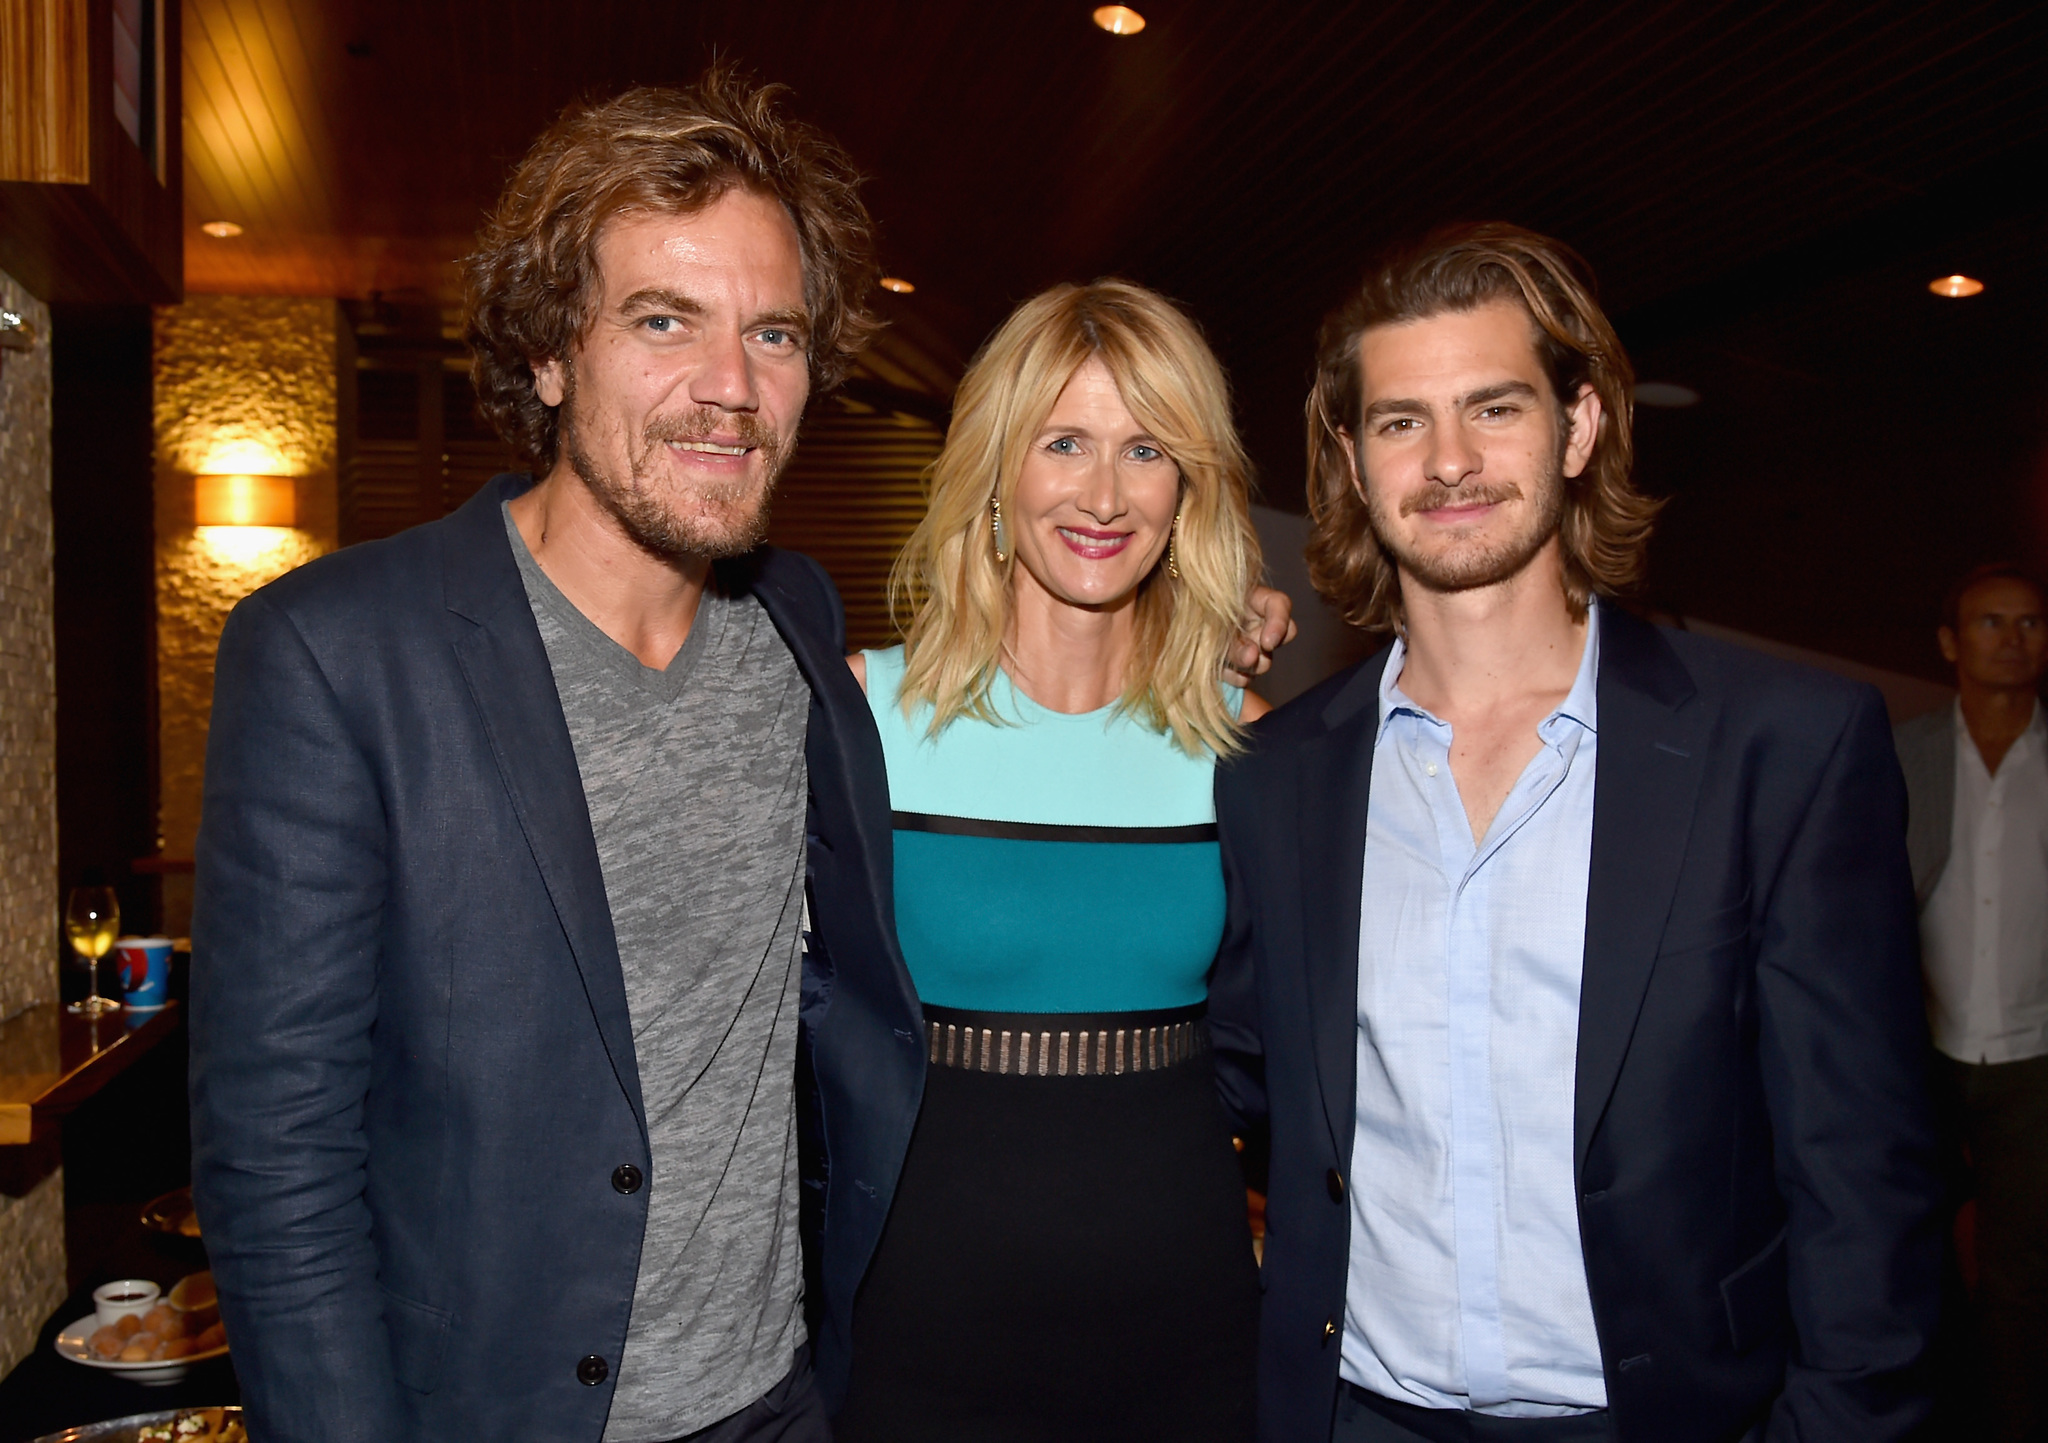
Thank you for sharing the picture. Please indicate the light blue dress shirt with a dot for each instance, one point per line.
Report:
(1467, 1283)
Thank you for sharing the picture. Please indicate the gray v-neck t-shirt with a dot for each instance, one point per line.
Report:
(694, 777)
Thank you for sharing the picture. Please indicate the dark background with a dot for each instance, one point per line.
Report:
(1764, 190)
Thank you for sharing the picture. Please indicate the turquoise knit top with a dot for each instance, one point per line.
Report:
(1055, 863)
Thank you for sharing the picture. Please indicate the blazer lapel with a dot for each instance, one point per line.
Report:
(1334, 774)
(847, 757)
(513, 686)
(1653, 735)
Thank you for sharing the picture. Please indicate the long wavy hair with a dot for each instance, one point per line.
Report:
(1606, 525)
(532, 287)
(958, 598)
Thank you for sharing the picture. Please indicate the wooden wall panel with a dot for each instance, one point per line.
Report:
(45, 131)
(104, 226)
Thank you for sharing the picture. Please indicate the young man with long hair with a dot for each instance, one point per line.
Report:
(1570, 959)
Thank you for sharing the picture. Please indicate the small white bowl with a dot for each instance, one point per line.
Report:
(125, 1297)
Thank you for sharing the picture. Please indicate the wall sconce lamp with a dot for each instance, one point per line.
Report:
(243, 501)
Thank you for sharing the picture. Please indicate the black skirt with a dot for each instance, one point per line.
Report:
(1066, 1259)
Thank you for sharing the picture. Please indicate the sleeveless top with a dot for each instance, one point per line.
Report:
(1055, 863)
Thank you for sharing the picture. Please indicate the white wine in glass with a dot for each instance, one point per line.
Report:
(92, 919)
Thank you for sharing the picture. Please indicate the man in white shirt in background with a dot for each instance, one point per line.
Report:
(1977, 833)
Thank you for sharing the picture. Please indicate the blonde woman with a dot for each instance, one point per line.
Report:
(1067, 1255)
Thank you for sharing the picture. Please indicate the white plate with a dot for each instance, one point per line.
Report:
(73, 1343)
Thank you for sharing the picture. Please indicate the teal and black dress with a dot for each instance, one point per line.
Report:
(1067, 1256)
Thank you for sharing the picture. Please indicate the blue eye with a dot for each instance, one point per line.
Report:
(1146, 453)
(1064, 446)
(660, 324)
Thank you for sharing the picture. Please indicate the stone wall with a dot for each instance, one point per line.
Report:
(243, 384)
(31, 1227)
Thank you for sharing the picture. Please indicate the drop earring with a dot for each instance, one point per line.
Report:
(1173, 549)
(1002, 532)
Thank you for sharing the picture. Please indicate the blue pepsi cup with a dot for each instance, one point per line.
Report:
(145, 966)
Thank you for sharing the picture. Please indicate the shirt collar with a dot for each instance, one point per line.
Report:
(1581, 704)
(2033, 740)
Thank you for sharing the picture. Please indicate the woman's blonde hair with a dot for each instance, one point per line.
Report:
(958, 595)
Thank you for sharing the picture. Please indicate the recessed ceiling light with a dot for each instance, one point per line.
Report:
(222, 229)
(1666, 393)
(1119, 19)
(898, 285)
(1956, 287)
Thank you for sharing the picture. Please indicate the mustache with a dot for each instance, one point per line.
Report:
(1438, 496)
(704, 422)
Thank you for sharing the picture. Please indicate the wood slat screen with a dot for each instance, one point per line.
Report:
(851, 497)
(384, 485)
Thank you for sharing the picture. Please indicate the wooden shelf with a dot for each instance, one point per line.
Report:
(52, 1060)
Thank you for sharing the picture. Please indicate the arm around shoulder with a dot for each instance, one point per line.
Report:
(287, 913)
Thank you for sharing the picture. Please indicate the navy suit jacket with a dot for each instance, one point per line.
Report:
(412, 1061)
(1753, 1144)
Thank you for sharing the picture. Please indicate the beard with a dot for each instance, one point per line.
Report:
(708, 522)
(1470, 566)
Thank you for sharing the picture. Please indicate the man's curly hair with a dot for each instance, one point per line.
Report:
(532, 286)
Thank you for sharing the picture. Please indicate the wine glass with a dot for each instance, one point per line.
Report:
(92, 919)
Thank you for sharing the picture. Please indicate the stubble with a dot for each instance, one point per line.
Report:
(1470, 565)
(710, 521)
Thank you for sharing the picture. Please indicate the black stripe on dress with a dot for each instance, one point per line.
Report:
(1046, 831)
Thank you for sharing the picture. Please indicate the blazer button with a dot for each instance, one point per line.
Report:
(592, 1371)
(626, 1178)
(1335, 1184)
(1329, 1332)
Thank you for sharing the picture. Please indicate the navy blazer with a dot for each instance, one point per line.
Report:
(412, 1061)
(1753, 1147)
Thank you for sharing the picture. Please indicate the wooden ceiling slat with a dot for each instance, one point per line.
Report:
(280, 158)
(277, 35)
(212, 158)
(239, 106)
(259, 150)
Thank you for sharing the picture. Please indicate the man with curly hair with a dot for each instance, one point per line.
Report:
(503, 887)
